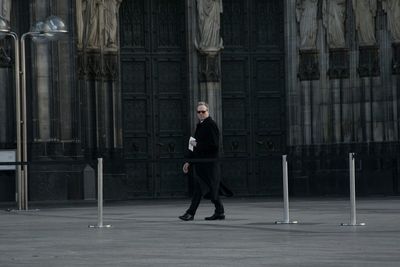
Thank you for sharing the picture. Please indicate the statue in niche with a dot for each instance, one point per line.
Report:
(334, 16)
(392, 9)
(306, 16)
(5, 9)
(92, 16)
(80, 14)
(208, 12)
(365, 13)
(89, 15)
(111, 22)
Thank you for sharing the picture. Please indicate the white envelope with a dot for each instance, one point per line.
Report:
(190, 143)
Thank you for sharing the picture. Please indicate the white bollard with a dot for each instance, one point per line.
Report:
(353, 215)
(285, 193)
(100, 196)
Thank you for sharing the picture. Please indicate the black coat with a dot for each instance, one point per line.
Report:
(207, 138)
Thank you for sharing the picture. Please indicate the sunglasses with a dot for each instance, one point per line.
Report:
(201, 111)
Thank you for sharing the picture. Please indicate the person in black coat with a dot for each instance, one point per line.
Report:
(205, 145)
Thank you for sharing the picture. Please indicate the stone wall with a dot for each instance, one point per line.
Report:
(343, 94)
(342, 99)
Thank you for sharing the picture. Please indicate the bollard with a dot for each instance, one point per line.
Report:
(21, 200)
(285, 193)
(21, 196)
(352, 172)
(100, 196)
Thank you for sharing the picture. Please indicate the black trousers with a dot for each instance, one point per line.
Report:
(206, 173)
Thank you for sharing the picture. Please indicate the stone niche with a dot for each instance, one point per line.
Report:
(396, 59)
(368, 61)
(338, 63)
(209, 68)
(309, 65)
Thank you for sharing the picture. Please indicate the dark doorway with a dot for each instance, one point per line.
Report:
(154, 95)
(253, 95)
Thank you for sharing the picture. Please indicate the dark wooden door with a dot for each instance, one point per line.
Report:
(253, 95)
(154, 95)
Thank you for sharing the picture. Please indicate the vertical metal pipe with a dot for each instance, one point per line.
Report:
(352, 189)
(24, 124)
(100, 192)
(352, 174)
(100, 196)
(22, 189)
(285, 190)
(285, 193)
(17, 118)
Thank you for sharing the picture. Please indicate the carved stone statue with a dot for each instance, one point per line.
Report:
(209, 12)
(365, 13)
(93, 23)
(392, 9)
(306, 16)
(5, 9)
(80, 24)
(334, 15)
(111, 22)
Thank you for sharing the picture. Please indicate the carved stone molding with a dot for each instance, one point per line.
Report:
(396, 59)
(96, 66)
(111, 66)
(5, 59)
(93, 66)
(81, 69)
(339, 63)
(368, 61)
(209, 68)
(309, 65)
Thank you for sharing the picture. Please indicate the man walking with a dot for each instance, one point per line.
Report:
(205, 145)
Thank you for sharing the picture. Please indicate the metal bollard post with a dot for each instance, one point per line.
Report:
(100, 196)
(22, 194)
(353, 215)
(285, 193)
(21, 201)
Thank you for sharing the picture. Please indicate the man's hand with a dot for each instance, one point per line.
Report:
(186, 167)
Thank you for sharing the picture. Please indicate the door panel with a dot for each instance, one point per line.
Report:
(154, 93)
(253, 98)
(236, 123)
(171, 121)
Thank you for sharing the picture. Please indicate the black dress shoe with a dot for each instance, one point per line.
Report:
(215, 216)
(186, 217)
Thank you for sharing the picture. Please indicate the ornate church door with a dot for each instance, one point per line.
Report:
(154, 96)
(253, 95)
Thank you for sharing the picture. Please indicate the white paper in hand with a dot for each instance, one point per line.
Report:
(191, 140)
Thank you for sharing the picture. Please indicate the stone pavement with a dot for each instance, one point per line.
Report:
(148, 233)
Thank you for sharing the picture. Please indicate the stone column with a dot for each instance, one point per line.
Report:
(42, 118)
(98, 72)
(40, 73)
(53, 92)
(193, 90)
(7, 101)
(66, 78)
(210, 84)
(209, 45)
(293, 97)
